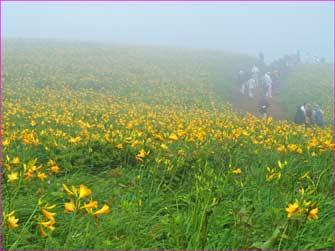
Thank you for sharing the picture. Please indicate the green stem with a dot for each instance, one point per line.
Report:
(17, 188)
(87, 234)
(72, 221)
(282, 236)
(70, 230)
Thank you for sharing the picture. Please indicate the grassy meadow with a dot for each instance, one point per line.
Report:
(131, 147)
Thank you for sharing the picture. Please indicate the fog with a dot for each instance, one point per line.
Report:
(276, 28)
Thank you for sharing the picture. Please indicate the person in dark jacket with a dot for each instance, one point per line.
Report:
(318, 115)
(263, 108)
(308, 115)
(300, 115)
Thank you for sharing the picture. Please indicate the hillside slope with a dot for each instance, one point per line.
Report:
(309, 83)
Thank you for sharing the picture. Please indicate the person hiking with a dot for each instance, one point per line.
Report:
(300, 115)
(242, 77)
(251, 85)
(263, 108)
(308, 115)
(275, 75)
(254, 74)
(267, 85)
(318, 115)
(261, 62)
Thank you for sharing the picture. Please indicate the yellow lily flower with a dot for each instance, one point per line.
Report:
(307, 203)
(292, 209)
(173, 137)
(313, 214)
(13, 176)
(237, 171)
(84, 191)
(42, 176)
(90, 204)
(44, 234)
(69, 206)
(51, 163)
(299, 150)
(164, 147)
(292, 147)
(69, 192)
(28, 174)
(54, 169)
(48, 215)
(6, 142)
(281, 148)
(16, 161)
(33, 123)
(104, 210)
(302, 191)
(11, 221)
(8, 167)
(50, 207)
(141, 154)
(48, 224)
(306, 175)
(74, 140)
(181, 152)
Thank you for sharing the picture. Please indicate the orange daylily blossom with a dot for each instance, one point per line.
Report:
(84, 191)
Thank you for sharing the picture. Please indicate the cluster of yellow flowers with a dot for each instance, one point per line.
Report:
(48, 221)
(275, 173)
(77, 204)
(308, 209)
(11, 220)
(30, 170)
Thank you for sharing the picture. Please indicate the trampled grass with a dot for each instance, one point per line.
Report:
(120, 147)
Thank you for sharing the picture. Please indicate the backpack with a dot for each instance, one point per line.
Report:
(319, 118)
(299, 116)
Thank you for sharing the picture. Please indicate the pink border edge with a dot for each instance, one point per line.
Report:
(167, 0)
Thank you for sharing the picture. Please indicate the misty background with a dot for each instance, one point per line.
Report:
(276, 28)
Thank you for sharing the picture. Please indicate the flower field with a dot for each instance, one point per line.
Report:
(129, 147)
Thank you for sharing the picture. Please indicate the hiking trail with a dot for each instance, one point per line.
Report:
(242, 103)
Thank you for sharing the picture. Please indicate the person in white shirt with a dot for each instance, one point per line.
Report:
(255, 73)
(251, 85)
(268, 85)
(242, 80)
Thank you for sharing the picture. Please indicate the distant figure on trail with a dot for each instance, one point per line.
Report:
(251, 85)
(267, 85)
(242, 78)
(275, 75)
(261, 60)
(263, 108)
(300, 115)
(318, 115)
(255, 73)
(308, 115)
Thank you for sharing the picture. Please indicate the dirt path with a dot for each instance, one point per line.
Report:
(242, 103)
